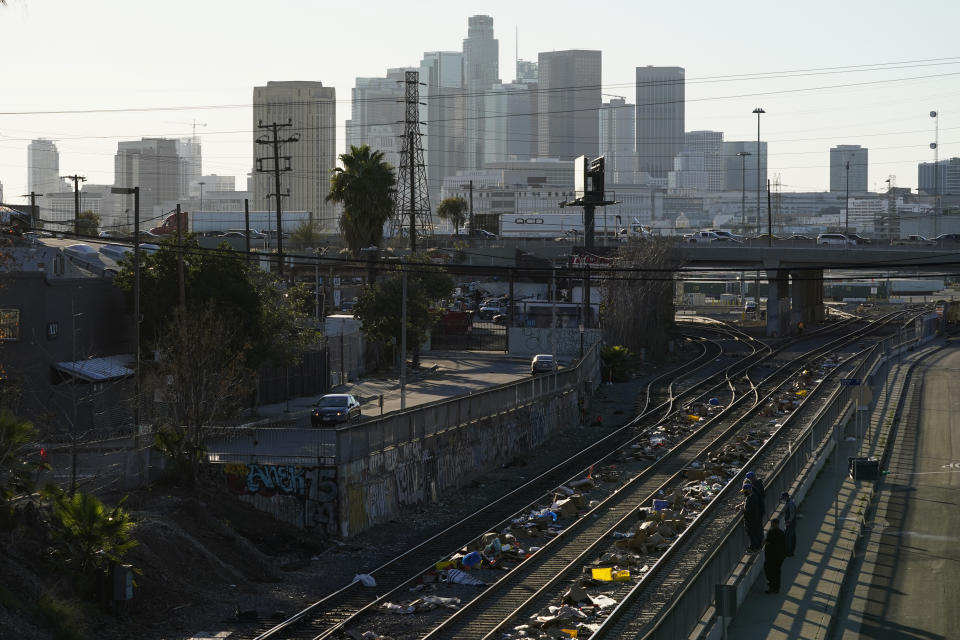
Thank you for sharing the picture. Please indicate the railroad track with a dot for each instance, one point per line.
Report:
(343, 607)
(543, 578)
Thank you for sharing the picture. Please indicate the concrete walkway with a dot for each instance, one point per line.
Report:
(829, 524)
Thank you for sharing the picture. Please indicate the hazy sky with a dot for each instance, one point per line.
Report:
(156, 66)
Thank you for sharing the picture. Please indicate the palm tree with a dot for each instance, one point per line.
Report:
(364, 185)
(453, 209)
(17, 471)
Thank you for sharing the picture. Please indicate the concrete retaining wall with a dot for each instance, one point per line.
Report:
(376, 488)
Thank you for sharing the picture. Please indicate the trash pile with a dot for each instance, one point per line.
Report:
(657, 441)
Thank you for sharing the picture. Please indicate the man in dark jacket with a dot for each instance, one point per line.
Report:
(774, 551)
(758, 489)
(752, 518)
(789, 521)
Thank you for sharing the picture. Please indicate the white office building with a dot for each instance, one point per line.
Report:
(43, 168)
(312, 110)
(444, 139)
(377, 113)
(618, 140)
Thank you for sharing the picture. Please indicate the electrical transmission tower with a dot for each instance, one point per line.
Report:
(413, 200)
(276, 168)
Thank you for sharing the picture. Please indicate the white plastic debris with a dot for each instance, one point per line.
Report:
(365, 579)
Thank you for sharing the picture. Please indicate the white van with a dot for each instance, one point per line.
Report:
(835, 239)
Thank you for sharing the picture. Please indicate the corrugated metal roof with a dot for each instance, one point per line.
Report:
(99, 369)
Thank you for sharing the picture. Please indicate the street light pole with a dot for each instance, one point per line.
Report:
(758, 111)
(846, 209)
(201, 183)
(743, 188)
(936, 170)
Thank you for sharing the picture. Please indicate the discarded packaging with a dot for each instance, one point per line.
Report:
(459, 577)
(471, 560)
(365, 579)
(396, 608)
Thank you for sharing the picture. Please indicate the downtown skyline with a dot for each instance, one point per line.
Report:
(880, 106)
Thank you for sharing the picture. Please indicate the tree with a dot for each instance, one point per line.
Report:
(454, 209)
(88, 223)
(306, 232)
(88, 534)
(201, 378)
(364, 185)
(17, 471)
(266, 315)
(378, 304)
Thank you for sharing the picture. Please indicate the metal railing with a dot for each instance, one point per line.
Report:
(358, 441)
(699, 592)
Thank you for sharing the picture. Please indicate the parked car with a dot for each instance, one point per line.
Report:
(700, 237)
(913, 241)
(947, 238)
(750, 306)
(335, 408)
(835, 239)
(797, 237)
(542, 363)
(764, 237)
(501, 319)
(858, 239)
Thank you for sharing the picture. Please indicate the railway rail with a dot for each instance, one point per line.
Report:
(678, 387)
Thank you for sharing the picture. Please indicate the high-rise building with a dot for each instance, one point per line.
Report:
(153, 165)
(660, 118)
(745, 172)
(527, 72)
(709, 146)
(568, 104)
(481, 70)
(617, 140)
(510, 129)
(43, 168)
(856, 156)
(444, 149)
(191, 165)
(941, 179)
(377, 114)
(312, 109)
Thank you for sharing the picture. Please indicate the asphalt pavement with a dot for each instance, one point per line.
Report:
(441, 375)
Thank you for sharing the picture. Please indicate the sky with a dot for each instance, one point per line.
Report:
(826, 73)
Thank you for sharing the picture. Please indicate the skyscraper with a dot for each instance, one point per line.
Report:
(377, 113)
(746, 172)
(312, 109)
(617, 140)
(481, 70)
(510, 131)
(191, 165)
(942, 178)
(444, 148)
(856, 155)
(153, 165)
(660, 118)
(568, 105)
(709, 146)
(43, 167)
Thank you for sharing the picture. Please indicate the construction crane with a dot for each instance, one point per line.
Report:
(193, 123)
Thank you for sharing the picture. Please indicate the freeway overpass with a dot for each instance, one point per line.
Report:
(795, 272)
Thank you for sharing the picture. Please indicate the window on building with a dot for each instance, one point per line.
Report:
(9, 324)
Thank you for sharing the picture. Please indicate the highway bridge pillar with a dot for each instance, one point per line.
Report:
(807, 296)
(778, 302)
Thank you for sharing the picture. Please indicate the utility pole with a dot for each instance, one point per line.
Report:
(182, 284)
(846, 208)
(34, 215)
(769, 219)
(246, 224)
(276, 169)
(76, 201)
(403, 342)
(473, 231)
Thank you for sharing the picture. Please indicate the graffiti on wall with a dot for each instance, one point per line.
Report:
(303, 496)
(526, 341)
